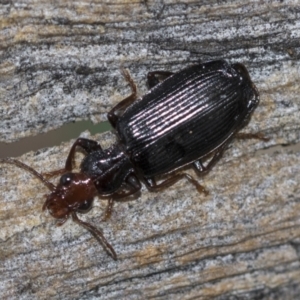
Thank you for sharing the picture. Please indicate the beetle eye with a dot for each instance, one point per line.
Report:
(85, 206)
(66, 179)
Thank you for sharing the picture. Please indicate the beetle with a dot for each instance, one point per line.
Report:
(184, 118)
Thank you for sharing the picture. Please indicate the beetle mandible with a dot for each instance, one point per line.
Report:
(182, 119)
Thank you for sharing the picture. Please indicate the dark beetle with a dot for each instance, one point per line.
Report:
(186, 117)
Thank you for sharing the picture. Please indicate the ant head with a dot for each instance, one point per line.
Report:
(74, 192)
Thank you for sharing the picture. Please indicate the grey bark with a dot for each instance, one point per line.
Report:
(60, 61)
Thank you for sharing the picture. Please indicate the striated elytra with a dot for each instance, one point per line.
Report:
(181, 120)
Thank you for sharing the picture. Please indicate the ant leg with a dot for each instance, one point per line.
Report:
(258, 136)
(97, 234)
(152, 185)
(133, 185)
(153, 79)
(119, 109)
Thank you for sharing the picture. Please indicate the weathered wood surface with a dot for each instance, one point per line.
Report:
(60, 61)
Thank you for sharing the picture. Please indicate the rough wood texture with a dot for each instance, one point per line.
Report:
(60, 61)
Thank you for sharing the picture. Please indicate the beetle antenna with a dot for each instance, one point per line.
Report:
(21, 165)
(97, 234)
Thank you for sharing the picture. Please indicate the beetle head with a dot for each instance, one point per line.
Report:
(75, 192)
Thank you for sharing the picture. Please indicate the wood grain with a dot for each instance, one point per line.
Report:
(60, 62)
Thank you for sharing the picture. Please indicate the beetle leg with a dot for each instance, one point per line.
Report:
(54, 173)
(153, 79)
(119, 109)
(134, 186)
(152, 185)
(201, 169)
(86, 144)
(108, 210)
(198, 166)
(258, 136)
